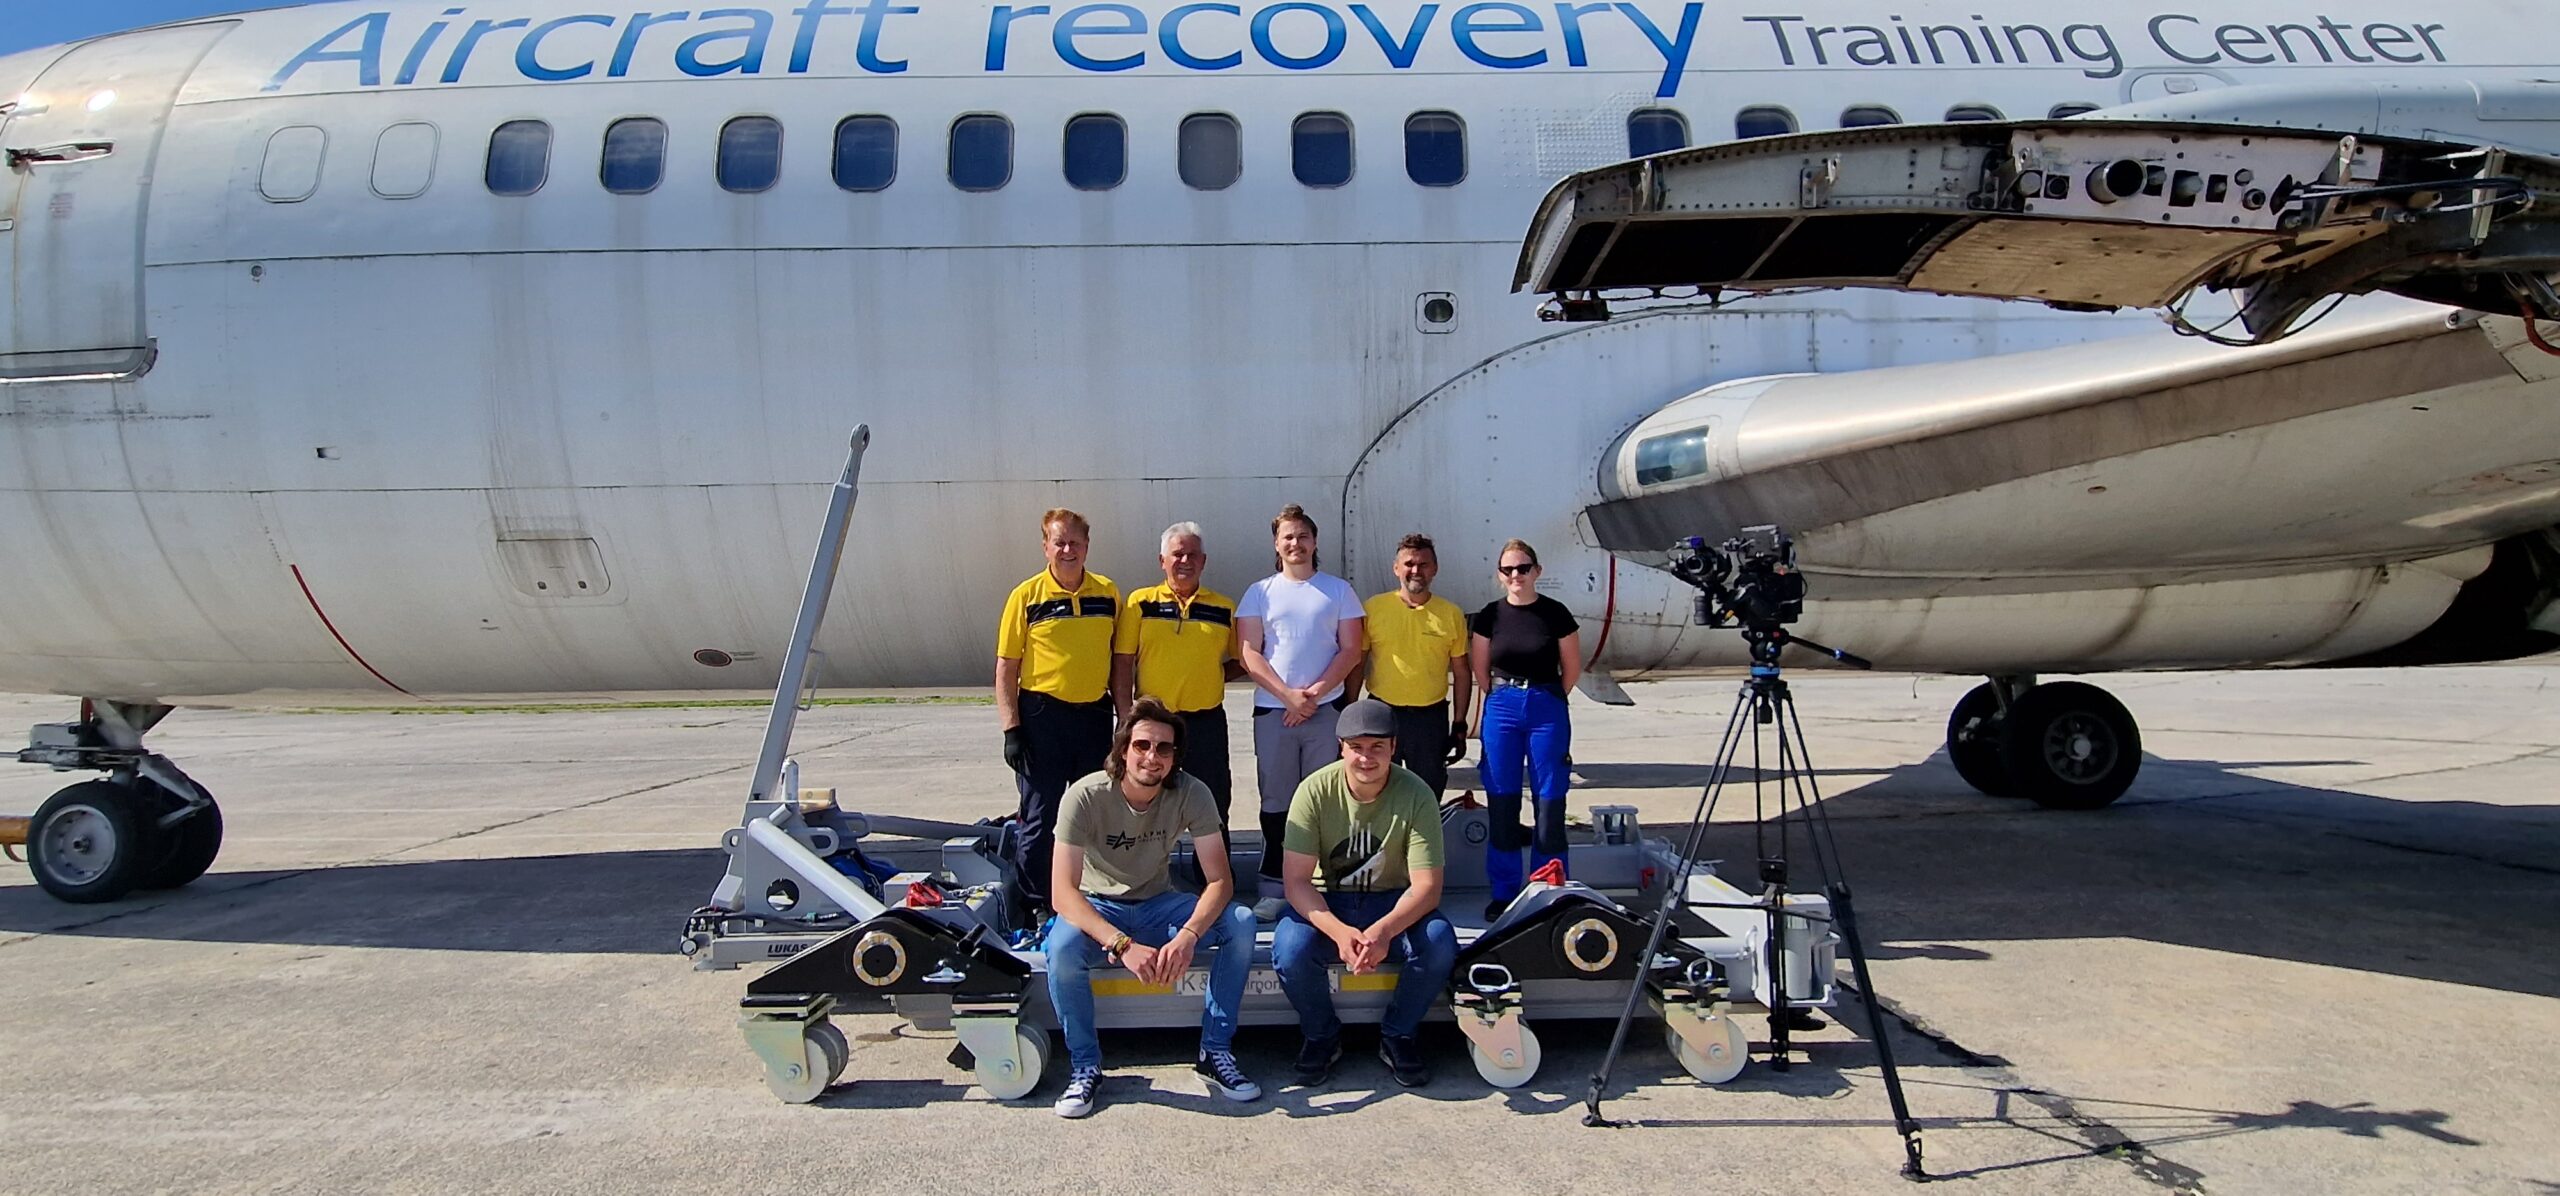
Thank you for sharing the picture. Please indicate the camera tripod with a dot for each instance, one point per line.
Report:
(1784, 804)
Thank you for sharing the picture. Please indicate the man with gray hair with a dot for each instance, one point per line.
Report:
(1175, 643)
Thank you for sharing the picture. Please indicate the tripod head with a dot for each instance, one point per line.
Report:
(1755, 587)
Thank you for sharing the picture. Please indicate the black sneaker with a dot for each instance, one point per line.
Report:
(1316, 1059)
(1082, 1094)
(1493, 911)
(1403, 1057)
(1225, 1078)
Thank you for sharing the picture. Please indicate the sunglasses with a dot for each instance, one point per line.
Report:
(1518, 570)
(1152, 747)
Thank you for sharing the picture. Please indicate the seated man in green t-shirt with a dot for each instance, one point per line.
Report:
(1362, 873)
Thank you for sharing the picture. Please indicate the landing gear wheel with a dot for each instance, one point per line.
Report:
(92, 842)
(1720, 1061)
(192, 843)
(2070, 746)
(1973, 742)
(1508, 1073)
(839, 1048)
(1013, 1079)
(800, 1082)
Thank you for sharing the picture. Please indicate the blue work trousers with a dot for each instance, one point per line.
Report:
(1428, 951)
(1523, 723)
(1227, 950)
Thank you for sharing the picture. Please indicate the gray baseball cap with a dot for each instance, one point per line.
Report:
(1368, 716)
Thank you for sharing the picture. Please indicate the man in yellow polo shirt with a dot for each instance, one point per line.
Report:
(1418, 663)
(1174, 645)
(1053, 686)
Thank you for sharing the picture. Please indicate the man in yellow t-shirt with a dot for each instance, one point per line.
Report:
(1418, 664)
(1175, 643)
(1053, 683)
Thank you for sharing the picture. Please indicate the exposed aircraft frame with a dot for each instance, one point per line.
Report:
(2095, 212)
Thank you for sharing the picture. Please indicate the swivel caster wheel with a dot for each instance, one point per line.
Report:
(839, 1048)
(1509, 1069)
(1014, 1078)
(801, 1080)
(1723, 1057)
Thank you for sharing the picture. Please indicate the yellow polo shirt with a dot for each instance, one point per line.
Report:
(1061, 636)
(1410, 649)
(1182, 647)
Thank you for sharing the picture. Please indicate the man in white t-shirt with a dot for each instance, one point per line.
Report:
(1299, 632)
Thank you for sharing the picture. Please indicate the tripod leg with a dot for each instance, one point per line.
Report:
(1674, 887)
(1781, 1048)
(1903, 1122)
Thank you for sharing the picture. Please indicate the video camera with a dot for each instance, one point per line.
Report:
(1742, 582)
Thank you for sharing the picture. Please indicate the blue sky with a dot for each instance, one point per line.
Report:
(28, 23)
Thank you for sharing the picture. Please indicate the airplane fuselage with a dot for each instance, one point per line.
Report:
(341, 386)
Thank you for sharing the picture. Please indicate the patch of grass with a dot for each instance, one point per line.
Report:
(668, 704)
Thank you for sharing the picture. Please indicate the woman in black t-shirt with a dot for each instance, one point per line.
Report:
(1527, 654)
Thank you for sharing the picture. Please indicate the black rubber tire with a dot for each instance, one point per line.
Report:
(2070, 746)
(191, 845)
(1974, 735)
(126, 818)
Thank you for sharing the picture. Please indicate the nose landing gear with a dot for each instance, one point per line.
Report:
(2064, 745)
(146, 826)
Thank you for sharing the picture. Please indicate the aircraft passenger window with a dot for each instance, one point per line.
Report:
(1097, 152)
(519, 157)
(1859, 116)
(2073, 109)
(1435, 149)
(635, 155)
(866, 153)
(292, 169)
(981, 153)
(750, 154)
(1963, 112)
(1763, 120)
(1671, 458)
(1211, 151)
(1655, 130)
(404, 160)
(1320, 149)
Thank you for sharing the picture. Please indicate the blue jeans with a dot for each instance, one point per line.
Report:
(1301, 953)
(1532, 723)
(1228, 949)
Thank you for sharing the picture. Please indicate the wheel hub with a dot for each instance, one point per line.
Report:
(2079, 749)
(79, 844)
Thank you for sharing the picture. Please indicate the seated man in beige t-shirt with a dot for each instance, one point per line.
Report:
(1111, 883)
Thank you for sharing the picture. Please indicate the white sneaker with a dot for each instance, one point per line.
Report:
(1270, 908)
(1082, 1094)
(1225, 1078)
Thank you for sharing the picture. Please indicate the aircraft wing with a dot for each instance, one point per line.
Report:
(2425, 195)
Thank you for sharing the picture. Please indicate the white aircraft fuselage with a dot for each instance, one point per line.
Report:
(300, 402)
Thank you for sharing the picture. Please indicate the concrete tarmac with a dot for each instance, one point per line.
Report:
(2318, 949)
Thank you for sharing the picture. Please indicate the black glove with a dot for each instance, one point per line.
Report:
(1017, 751)
(1457, 741)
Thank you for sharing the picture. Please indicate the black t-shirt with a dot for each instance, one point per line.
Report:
(1527, 640)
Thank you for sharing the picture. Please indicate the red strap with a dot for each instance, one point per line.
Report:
(923, 896)
(1549, 873)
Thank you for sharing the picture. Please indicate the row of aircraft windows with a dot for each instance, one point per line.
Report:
(1209, 150)
(1096, 158)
